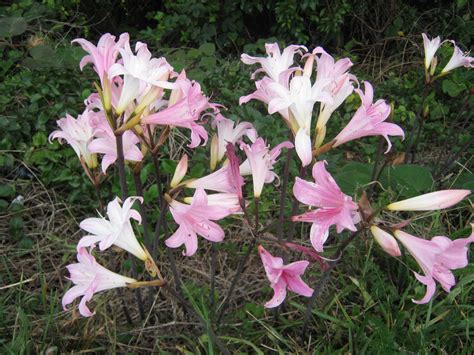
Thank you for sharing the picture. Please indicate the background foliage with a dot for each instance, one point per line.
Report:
(367, 310)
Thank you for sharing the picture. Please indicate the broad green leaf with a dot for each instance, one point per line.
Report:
(12, 26)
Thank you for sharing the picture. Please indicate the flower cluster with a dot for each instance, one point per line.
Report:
(141, 101)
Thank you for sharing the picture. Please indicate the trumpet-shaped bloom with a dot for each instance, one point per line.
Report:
(196, 219)
(227, 133)
(116, 230)
(386, 241)
(334, 207)
(265, 94)
(284, 277)
(277, 62)
(436, 257)
(430, 46)
(432, 201)
(259, 163)
(104, 55)
(219, 181)
(140, 72)
(369, 120)
(106, 144)
(185, 112)
(89, 278)
(78, 133)
(458, 59)
(229, 201)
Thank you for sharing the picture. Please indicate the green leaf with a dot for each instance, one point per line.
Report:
(353, 175)
(410, 179)
(453, 88)
(207, 49)
(12, 26)
(7, 190)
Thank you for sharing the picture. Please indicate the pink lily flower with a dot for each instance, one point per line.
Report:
(105, 143)
(78, 133)
(140, 73)
(117, 230)
(260, 161)
(334, 207)
(458, 59)
(265, 95)
(431, 201)
(436, 257)
(276, 63)
(196, 219)
(284, 277)
(185, 112)
(227, 133)
(430, 47)
(369, 120)
(104, 56)
(386, 241)
(89, 278)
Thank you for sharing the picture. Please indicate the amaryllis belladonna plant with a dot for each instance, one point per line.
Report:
(141, 102)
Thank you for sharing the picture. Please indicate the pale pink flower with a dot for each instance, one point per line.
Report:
(334, 207)
(299, 99)
(265, 94)
(219, 181)
(78, 133)
(227, 133)
(430, 47)
(458, 59)
(386, 241)
(116, 230)
(260, 161)
(369, 120)
(276, 63)
(140, 73)
(104, 56)
(106, 144)
(284, 276)
(185, 112)
(89, 278)
(431, 201)
(436, 257)
(196, 219)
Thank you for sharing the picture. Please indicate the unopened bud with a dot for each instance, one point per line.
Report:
(180, 171)
(214, 152)
(386, 241)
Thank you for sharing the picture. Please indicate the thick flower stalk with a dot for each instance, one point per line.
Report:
(283, 277)
(196, 219)
(89, 278)
(116, 230)
(333, 206)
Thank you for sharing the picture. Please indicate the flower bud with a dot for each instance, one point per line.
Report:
(386, 241)
(428, 202)
(180, 171)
